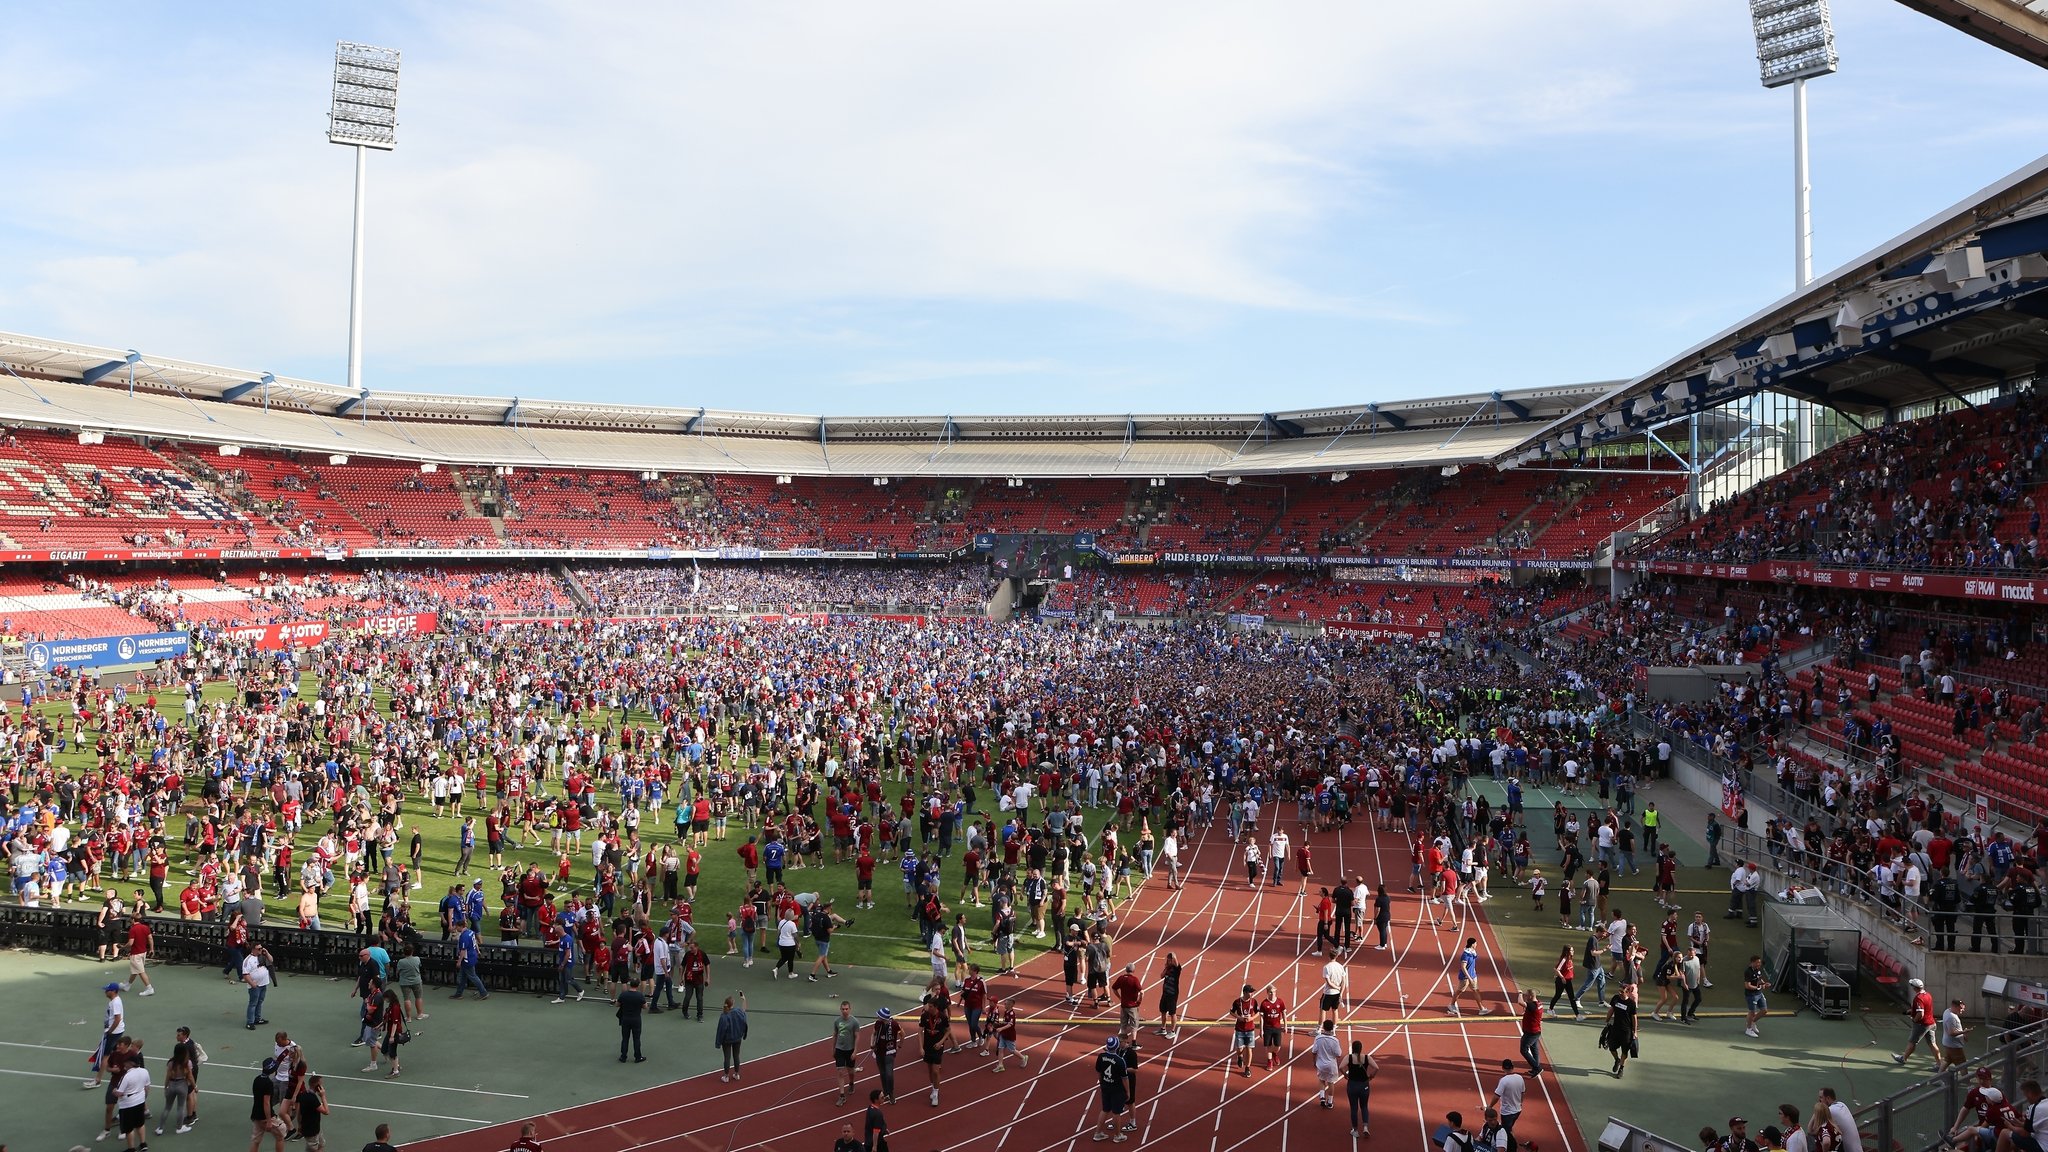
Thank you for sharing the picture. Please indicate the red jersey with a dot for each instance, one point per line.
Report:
(1273, 1012)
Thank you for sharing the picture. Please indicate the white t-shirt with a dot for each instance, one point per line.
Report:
(1329, 1051)
(254, 973)
(133, 1090)
(1508, 1093)
(1335, 978)
(1845, 1123)
(115, 1012)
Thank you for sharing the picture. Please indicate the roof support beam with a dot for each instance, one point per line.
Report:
(1275, 427)
(696, 423)
(99, 372)
(1938, 382)
(1397, 423)
(1520, 410)
(238, 391)
(1819, 394)
(1923, 360)
(511, 414)
(349, 405)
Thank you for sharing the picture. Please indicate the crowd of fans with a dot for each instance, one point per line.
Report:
(1957, 492)
(770, 586)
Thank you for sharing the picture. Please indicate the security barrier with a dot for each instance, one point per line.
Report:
(503, 968)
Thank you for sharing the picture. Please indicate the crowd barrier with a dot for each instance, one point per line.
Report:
(503, 968)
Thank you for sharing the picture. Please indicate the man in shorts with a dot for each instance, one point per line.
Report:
(934, 1027)
(1272, 1023)
(141, 946)
(1336, 983)
(1753, 985)
(1109, 1076)
(131, 1099)
(1130, 991)
(312, 1108)
(1246, 1012)
(263, 1112)
(845, 1034)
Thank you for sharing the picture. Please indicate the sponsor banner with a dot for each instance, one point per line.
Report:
(1246, 619)
(397, 624)
(1129, 559)
(1478, 562)
(1286, 561)
(272, 637)
(659, 553)
(2008, 589)
(308, 633)
(101, 651)
(96, 555)
(1361, 631)
(1056, 613)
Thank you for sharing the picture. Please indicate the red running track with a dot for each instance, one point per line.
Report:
(1225, 936)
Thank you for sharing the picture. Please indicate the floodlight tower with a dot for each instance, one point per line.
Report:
(1795, 41)
(364, 116)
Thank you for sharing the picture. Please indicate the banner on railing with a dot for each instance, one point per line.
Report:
(2010, 589)
(308, 633)
(106, 651)
(66, 555)
(1361, 631)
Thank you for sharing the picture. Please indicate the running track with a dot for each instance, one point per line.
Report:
(1224, 936)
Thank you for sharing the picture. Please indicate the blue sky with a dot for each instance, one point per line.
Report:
(928, 207)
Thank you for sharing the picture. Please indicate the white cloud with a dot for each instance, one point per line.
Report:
(580, 183)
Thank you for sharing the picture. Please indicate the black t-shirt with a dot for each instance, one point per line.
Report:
(378, 1146)
(262, 1092)
(309, 1114)
(1109, 1069)
(631, 1002)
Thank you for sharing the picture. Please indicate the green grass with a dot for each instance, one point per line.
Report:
(885, 935)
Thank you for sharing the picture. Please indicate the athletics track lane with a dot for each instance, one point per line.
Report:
(1225, 936)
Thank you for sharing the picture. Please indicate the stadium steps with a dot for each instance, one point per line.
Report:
(577, 591)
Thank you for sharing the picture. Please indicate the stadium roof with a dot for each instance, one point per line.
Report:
(78, 387)
(1954, 306)
(2017, 26)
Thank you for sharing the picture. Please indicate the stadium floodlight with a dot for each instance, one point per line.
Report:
(1156, 482)
(1014, 482)
(363, 115)
(1339, 477)
(430, 467)
(338, 459)
(231, 449)
(92, 438)
(1234, 481)
(1453, 469)
(785, 479)
(1795, 42)
(881, 481)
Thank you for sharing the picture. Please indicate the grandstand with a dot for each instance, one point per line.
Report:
(1921, 356)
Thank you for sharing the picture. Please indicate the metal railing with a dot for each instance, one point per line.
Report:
(1924, 925)
(1918, 1119)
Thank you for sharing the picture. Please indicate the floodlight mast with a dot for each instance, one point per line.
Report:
(1795, 41)
(364, 115)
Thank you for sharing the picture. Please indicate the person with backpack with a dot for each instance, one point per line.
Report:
(1619, 1034)
(1455, 1137)
(823, 921)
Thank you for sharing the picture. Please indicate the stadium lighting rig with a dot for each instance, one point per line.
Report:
(1795, 42)
(364, 115)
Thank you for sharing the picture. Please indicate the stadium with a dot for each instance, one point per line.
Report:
(1218, 767)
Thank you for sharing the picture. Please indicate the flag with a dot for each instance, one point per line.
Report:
(696, 576)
